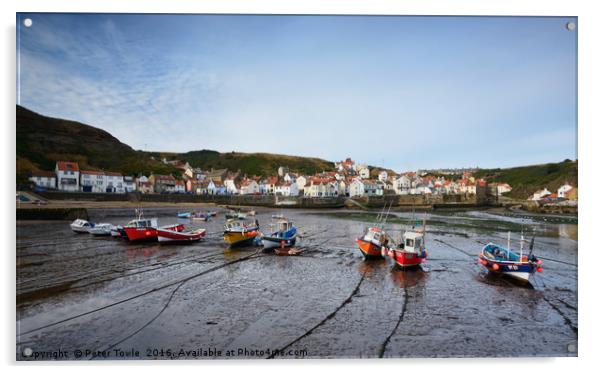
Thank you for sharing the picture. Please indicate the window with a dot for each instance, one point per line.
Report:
(410, 243)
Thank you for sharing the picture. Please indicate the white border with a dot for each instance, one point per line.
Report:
(589, 28)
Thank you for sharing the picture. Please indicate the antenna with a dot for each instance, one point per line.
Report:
(531, 247)
(522, 239)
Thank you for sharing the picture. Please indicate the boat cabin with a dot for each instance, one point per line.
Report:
(234, 224)
(284, 225)
(143, 223)
(81, 223)
(375, 235)
(413, 241)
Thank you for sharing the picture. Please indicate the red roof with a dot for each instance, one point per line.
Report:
(112, 174)
(67, 166)
(92, 172)
(43, 173)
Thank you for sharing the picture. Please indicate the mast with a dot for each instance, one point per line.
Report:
(508, 244)
(522, 239)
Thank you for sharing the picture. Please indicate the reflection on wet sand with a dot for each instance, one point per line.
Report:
(407, 278)
(74, 292)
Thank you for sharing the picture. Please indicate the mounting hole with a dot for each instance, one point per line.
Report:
(27, 22)
(570, 26)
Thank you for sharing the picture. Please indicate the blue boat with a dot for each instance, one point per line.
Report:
(184, 214)
(286, 236)
(501, 260)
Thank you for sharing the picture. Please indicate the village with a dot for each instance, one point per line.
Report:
(350, 179)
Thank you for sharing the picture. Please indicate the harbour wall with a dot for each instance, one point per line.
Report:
(45, 214)
(366, 202)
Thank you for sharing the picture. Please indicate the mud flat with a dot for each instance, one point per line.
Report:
(203, 301)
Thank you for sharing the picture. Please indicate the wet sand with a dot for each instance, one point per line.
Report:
(77, 292)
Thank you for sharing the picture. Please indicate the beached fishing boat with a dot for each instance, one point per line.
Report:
(81, 226)
(179, 234)
(500, 260)
(231, 214)
(141, 229)
(372, 242)
(375, 239)
(101, 229)
(116, 231)
(411, 251)
(199, 216)
(237, 233)
(285, 236)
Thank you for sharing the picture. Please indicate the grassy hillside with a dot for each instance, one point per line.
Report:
(255, 163)
(527, 179)
(41, 141)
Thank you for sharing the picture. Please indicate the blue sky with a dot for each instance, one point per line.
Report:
(402, 92)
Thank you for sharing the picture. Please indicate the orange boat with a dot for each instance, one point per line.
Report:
(372, 243)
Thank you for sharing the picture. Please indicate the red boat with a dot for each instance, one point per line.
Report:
(141, 229)
(372, 243)
(178, 233)
(411, 252)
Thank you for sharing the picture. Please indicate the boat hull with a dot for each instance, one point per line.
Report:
(135, 234)
(240, 239)
(406, 259)
(369, 250)
(521, 272)
(171, 236)
(274, 242)
(100, 232)
(79, 230)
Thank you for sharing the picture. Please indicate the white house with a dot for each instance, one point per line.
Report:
(129, 184)
(114, 182)
(290, 178)
(382, 176)
(144, 185)
(402, 185)
(538, 195)
(45, 179)
(364, 172)
(373, 188)
(422, 189)
(92, 181)
(230, 186)
(287, 189)
(249, 187)
(180, 187)
(562, 191)
(356, 188)
(301, 182)
(321, 187)
(282, 170)
(216, 188)
(67, 174)
(268, 185)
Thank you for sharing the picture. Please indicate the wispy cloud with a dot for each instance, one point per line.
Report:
(324, 86)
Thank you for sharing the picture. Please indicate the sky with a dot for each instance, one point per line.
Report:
(401, 92)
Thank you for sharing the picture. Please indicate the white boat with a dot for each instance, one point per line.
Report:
(81, 226)
(116, 231)
(285, 236)
(101, 229)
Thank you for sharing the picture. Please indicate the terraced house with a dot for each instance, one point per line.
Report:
(67, 174)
